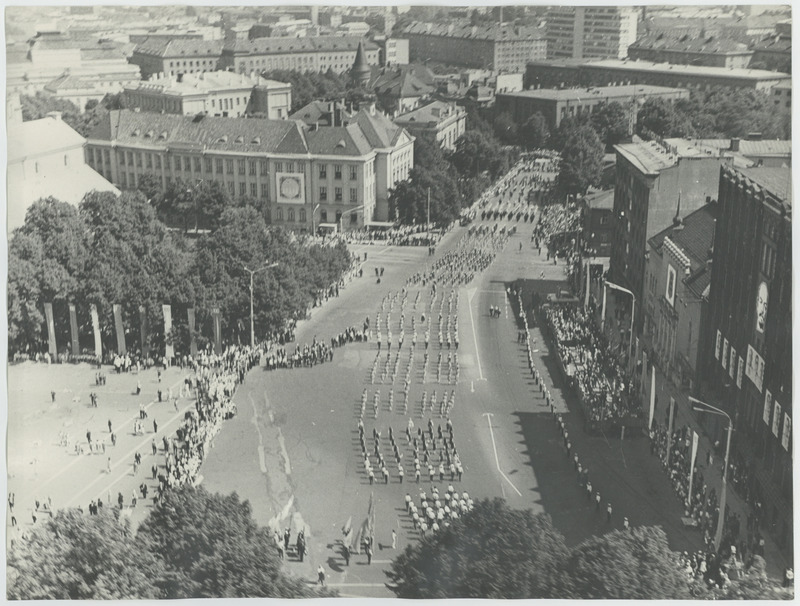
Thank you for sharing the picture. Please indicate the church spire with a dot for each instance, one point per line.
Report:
(360, 72)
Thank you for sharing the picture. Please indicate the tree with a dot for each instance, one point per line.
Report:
(581, 161)
(631, 564)
(212, 548)
(475, 152)
(192, 205)
(79, 557)
(754, 584)
(505, 129)
(611, 122)
(492, 552)
(534, 134)
(660, 117)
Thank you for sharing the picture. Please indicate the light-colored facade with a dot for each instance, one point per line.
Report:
(782, 98)
(174, 57)
(290, 169)
(218, 93)
(317, 54)
(446, 122)
(46, 158)
(590, 32)
(75, 90)
(502, 48)
(557, 104)
(708, 50)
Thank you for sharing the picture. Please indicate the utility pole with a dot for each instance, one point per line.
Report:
(252, 273)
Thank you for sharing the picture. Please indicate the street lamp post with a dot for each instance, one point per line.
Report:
(633, 312)
(708, 408)
(252, 273)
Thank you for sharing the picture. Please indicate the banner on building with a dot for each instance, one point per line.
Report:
(669, 427)
(215, 314)
(98, 343)
(740, 372)
(652, 397)
(695, 440)
(73, 330)
(169, 350)
(192, 336)
(51, 329)
(644, 373)
(787, 431)
(120, 329)
(776, 419)
(144, 330)
(767, 407)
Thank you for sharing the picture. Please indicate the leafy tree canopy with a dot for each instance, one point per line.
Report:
(581, 161)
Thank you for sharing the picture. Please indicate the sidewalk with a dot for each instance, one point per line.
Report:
(685, 415)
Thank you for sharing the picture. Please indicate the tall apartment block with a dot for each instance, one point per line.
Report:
(590, 32)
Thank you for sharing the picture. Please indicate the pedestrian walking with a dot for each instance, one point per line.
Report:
(608, 512)
(321, 575)
(597, 501)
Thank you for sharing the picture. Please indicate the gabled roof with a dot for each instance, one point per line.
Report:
(67, 82)
(431, 113)
(269, 46)
(38, 137)
(179, 47)
(402, 81)
(338, 141)
(464, 29)
(379, 130)
(690, 44)
(695, 238)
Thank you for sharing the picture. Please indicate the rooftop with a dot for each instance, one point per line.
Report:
(584, 93)
(778, 148)
(432, 113)
(689, 70)
(260, 46)
(603, 199)
(690, 44)
(651, 157)
(777, 181)
(204, 82)
(179, 47)
(494, 31)
(695, 238)
(38, 137)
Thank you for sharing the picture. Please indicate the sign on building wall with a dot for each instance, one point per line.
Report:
(767, 407)
(754, 369)
(761, 307)
(739, 373)
(787, 430)
(776, 419)
(671, 277)
(733, 363)
(725, 354)
(291, 188)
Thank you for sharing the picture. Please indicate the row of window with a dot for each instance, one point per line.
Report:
(337, 194)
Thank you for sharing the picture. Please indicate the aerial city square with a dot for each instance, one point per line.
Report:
(399, 302)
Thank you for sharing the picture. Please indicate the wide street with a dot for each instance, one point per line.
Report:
(293, 449)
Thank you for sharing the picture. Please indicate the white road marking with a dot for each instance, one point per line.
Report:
(356, 584)
(475, 335)
(489, 416)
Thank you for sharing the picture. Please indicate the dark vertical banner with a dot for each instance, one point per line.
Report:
(98, 343)
(51, 329)
(73, 329)
(215, 313)
(169, 350)
(192, 338)
(143, 328)
(120, 329)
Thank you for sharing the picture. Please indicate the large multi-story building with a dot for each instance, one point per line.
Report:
(101, 65)
(46, 158)
(176, 57)
(597, 222)
(502, 48)
(609, 72)
(711, 51)
(773, 52)
(749, 338)
(677, 278)
(443, 121)
(590, 32)
(782, 98)
(223, 94)
(651, 177)
(343, 171)
(317, 54)
(556, 104)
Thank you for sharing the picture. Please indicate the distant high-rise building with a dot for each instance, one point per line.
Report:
(592, 32)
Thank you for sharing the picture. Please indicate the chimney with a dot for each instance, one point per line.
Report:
(734, 145)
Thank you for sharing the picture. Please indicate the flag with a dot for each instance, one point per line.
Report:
(73, 328)
(192, 338)
(98, 343)
(143, 328)
(51, 329)
(215, 314)
(695, 439)
(120, 328)
(347, 531)
(652, 397)
(169, 351)
(669, 427)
